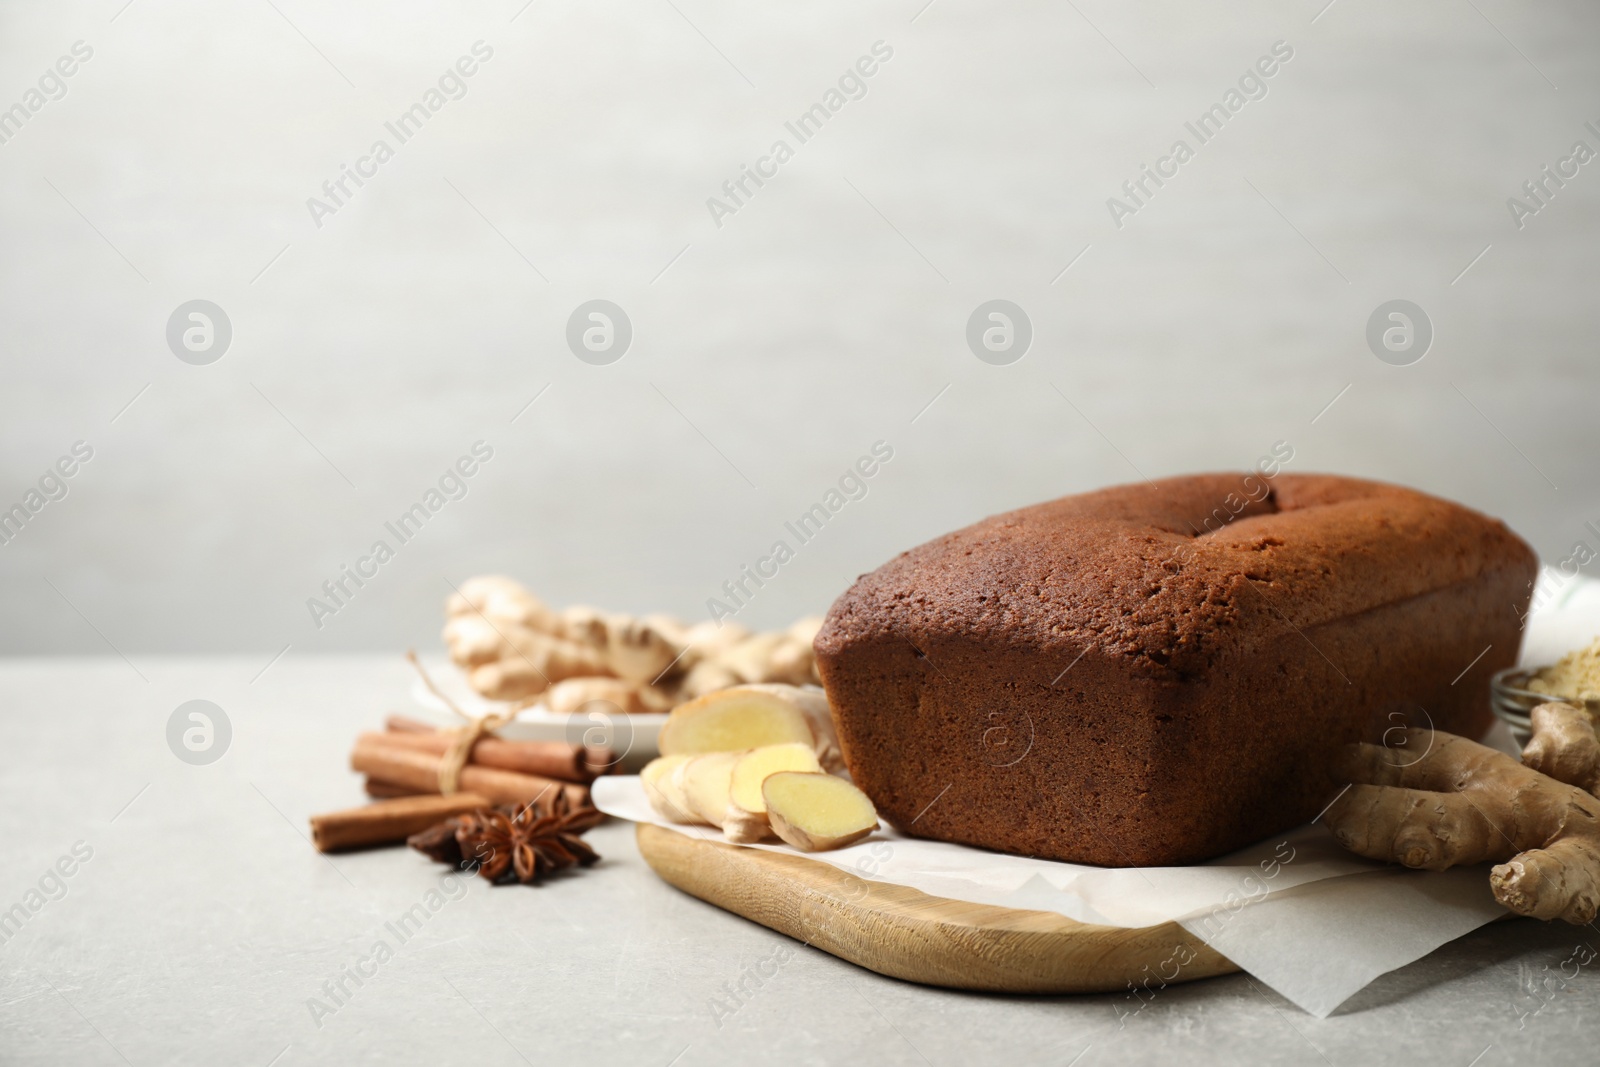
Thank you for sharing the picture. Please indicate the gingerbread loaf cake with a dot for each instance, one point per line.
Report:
(1161, 673)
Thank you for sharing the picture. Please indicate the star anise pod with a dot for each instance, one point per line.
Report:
(512, 843)
(545, 839)
(486, 838)
(438, 842)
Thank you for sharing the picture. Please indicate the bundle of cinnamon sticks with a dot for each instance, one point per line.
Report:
(402, 766)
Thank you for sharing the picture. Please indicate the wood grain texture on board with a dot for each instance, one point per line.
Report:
(905, 933)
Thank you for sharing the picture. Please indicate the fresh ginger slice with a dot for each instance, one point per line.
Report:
(705, 783)
(746, 817)
(817, 812)
(752, 716)
(662, 789)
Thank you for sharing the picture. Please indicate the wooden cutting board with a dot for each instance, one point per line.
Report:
(905, 933)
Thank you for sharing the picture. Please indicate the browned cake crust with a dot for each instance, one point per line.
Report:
(1157, 673)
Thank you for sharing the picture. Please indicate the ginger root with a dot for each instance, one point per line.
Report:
(1462, 802)
(1564, 746)
(817, 812)
(515, 648)
(571, 695)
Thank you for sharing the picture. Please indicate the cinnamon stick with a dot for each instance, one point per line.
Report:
(405, 724)
(378, 789)
(547, 759)
(388, 821)
(377, 756)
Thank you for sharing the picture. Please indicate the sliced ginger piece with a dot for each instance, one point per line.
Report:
(705, 780)
(753, 716)
(661, 787)
(746, 817)
(732, 720)
(816, 812)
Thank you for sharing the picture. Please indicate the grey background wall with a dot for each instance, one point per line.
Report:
(826, 313)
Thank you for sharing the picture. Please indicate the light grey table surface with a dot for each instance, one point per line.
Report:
(202, 923)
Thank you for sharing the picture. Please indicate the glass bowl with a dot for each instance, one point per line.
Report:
(1512, 701)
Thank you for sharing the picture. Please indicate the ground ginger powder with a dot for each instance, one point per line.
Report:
(1575, 677)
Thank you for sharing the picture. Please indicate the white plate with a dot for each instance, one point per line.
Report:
(632, 737)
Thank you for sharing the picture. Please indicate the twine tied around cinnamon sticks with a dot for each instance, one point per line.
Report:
(420, 774)
(473, 729)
